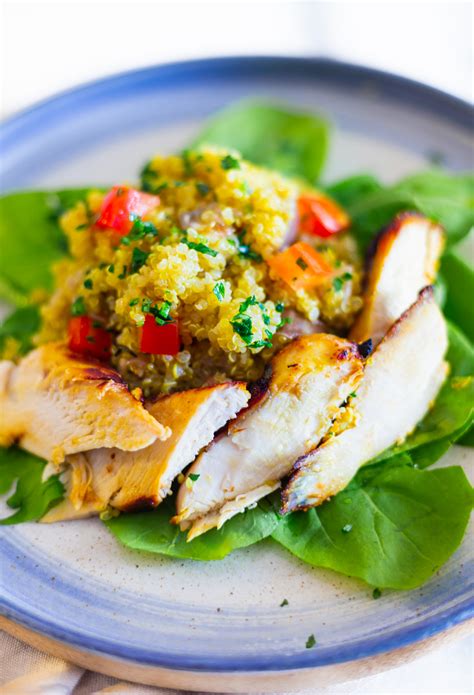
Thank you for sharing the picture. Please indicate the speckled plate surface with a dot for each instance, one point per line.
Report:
(72, 582)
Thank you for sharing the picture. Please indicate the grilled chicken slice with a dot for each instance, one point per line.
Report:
(401, 380)
(292, 410)
(55, 403)
(403, 260)
(127, 481)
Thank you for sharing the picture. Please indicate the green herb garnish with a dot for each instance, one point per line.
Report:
(194, 476)
(133, 302)
(123, 274)
(139, 259)
(200, 248)
(202, 188)
(250, 301)
(310, 642)
(284, 603)
(160, 313)
(302, 263)
(376, 593)
(219, 291)
(246, 251)
(242, 325)
(87, 283)
(78, 307)
(338, 282)
(139, 230)
(230, 162)
(188, 167)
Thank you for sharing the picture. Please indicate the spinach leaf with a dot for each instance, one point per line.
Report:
(152, 531)
(31, 240)
(459, 279)
(452, 413)
(21, 325)
(349, 191)
(447, 198)
(404, 524)
(291, 142)
(32, 497)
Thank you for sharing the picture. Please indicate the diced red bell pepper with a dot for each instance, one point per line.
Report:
(321, 216)
(121, 205)
(300, 266)
(159, 340)
(88, 339)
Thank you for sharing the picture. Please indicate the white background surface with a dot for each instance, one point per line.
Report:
(47, 47)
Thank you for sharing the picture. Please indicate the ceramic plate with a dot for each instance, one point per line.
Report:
(72, 582)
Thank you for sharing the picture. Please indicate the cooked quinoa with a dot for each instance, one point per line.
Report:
(199, 256)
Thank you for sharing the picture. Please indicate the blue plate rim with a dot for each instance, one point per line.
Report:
(455, 108)
(23, 123)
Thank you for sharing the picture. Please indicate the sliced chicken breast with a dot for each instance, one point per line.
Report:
(289, 413)
(403, 260)
(128, 481)
(56, 402)
(401, 380)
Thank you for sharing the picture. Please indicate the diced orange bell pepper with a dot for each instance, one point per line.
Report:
(321, 216)
(300, 266)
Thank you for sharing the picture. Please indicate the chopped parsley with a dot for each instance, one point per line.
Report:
(284, 603)
(242, 324)
(200, 248)
(111, 268)
(376, 593)
(188, 166)
(133, 302)
(194, 476)
(139, 259)
(250, 301)
(80, 227)
(123, 274)
(230, 162)
(160, 313)
(279, 307)
(87, 283)
(260, 344)
(246, 251)
(219, 291)
(352, 394)
(301, 263)
(78, 307)
(202, 188)
(139, 230)
(347, 528)
(338, 282)
(310, 642)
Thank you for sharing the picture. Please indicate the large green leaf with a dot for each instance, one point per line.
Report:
(447, 198)
(459, 279)
(32, 497)
(393, 526)
(453, 411)
(21, 325)
(30, 239)
(152, 531)
(288, 141)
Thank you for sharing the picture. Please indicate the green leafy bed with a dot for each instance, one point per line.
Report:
(397, 522)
